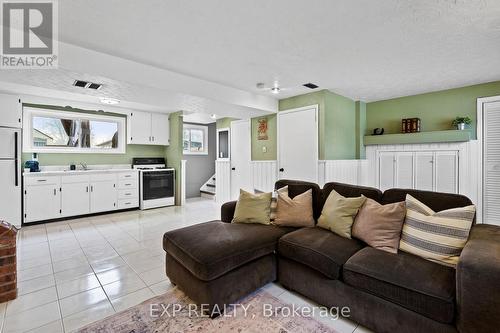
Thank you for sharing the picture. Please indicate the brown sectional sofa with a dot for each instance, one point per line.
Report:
(217, 263)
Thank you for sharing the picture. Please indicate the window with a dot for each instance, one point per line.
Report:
(72, 132)
(195, 139)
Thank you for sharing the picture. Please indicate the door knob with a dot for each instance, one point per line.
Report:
(233, 169)
(282, 170)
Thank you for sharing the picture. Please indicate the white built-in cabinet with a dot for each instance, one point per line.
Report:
(11, 111)
(72, 194)
(422, 170)
(147, 128)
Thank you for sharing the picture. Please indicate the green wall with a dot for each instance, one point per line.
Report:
(225, 122)
(436, 110)
(173, 152)
(360, 129)
(270, 143)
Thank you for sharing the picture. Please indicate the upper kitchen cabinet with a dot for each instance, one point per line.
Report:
(146, 128)
(11, 110)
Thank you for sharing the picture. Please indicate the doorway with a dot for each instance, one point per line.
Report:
(241, 173)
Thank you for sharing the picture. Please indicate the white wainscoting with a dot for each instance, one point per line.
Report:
(222, 181)
(264, 175)
(468, 165)
(344, 171)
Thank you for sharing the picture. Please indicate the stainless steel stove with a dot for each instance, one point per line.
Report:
(156, 182)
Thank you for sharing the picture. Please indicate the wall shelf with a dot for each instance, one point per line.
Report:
(422, 137)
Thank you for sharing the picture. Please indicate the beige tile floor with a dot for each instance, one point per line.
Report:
(74, 272)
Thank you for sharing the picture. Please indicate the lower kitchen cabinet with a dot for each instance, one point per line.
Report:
(65, 195)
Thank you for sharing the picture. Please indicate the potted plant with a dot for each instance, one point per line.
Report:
(460, 122)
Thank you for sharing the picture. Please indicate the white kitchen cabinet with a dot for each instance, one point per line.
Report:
(42, 199)
(160, 129)
(421, 170)
(146, 128)
(103, 196)
(75, 199)
(11, 110)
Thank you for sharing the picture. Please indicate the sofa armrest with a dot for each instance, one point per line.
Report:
(227, 211)
(478, 286)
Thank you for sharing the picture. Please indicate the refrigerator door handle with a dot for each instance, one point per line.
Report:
(16, 160)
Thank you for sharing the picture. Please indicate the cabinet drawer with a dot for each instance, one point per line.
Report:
(42, 180)
(72, 179)
(100, 177)
(128, 175)
(128, 194)
(128, 203)
(127, 184)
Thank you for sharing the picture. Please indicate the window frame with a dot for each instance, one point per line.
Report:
(30, 147)
(204, 128)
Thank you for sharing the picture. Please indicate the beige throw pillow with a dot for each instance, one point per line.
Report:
(338, 213)
(296, 212)
(253, 208)
(439, 237)
(380, 225)
(274, 200)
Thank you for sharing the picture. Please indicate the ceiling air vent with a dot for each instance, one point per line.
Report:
(95, 86)
(310, 85)
(80, 83)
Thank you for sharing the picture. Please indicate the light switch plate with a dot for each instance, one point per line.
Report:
(264, 149)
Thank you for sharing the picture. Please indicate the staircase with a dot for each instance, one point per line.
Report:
(207, 190)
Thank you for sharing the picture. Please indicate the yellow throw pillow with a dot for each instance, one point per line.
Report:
(296, 212)
(338, 213)
(436, 236)
(253, 208)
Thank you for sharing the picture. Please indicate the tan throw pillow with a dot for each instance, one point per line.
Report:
(296, 212)
(380, 225)
(439, 237)
(253, 208)
(338, 213)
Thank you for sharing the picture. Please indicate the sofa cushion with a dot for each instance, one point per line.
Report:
(211, 249)
(319, 249)
(351, 191)
(412, 282)
(296, 187)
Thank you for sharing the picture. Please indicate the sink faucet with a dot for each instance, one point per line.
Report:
(84, 166)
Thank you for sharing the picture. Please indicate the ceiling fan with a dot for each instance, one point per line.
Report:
(276, 89)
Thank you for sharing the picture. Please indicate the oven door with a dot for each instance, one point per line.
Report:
(157, 184)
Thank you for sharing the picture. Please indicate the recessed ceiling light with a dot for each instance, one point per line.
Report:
(109, 101)
(213, 116)
(275, 90)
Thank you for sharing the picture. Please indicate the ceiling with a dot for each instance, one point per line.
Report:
(362, 49)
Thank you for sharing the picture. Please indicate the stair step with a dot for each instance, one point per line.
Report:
(210, 185)
(207, 192)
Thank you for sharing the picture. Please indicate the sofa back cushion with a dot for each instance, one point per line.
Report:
(434, 200)
(296, 187)
(351, 191)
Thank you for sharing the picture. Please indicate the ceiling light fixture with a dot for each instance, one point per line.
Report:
(109, 101)
(275, 90)
(213, 116)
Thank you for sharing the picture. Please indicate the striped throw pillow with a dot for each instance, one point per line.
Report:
(439, 237)
(274, 200)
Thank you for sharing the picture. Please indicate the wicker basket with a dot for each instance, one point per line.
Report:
(8, 276)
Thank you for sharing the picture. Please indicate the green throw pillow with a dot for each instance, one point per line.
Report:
(338, 213)
(253, 208)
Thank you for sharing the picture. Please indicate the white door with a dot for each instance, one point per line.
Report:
(75, 199)
(424, 171)
(298, 144)
(446, 164)
(491, 163)
(139, 128)
(11, 111)
(241, 173)
(103, 196)
(404, 170)
(41, 202)
(386, 167)
(160, 131)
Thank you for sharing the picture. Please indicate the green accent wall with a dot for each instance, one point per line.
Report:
(225, 122)
(360, 129)
(436, 109)
(270, 144)
(337, 122)
(173, 152)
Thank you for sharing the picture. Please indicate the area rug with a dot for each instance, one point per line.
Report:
(174, 312)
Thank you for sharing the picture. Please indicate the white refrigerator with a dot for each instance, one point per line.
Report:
(10, 175)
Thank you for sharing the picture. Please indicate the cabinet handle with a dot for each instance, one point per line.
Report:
(91, 188)
(55, 191)
(153, 138)
(128, 193)
(87, 189)
(128, 176)
(128, 184)
(41, 180)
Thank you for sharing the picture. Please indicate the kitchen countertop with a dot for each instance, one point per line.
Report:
(92, 169)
